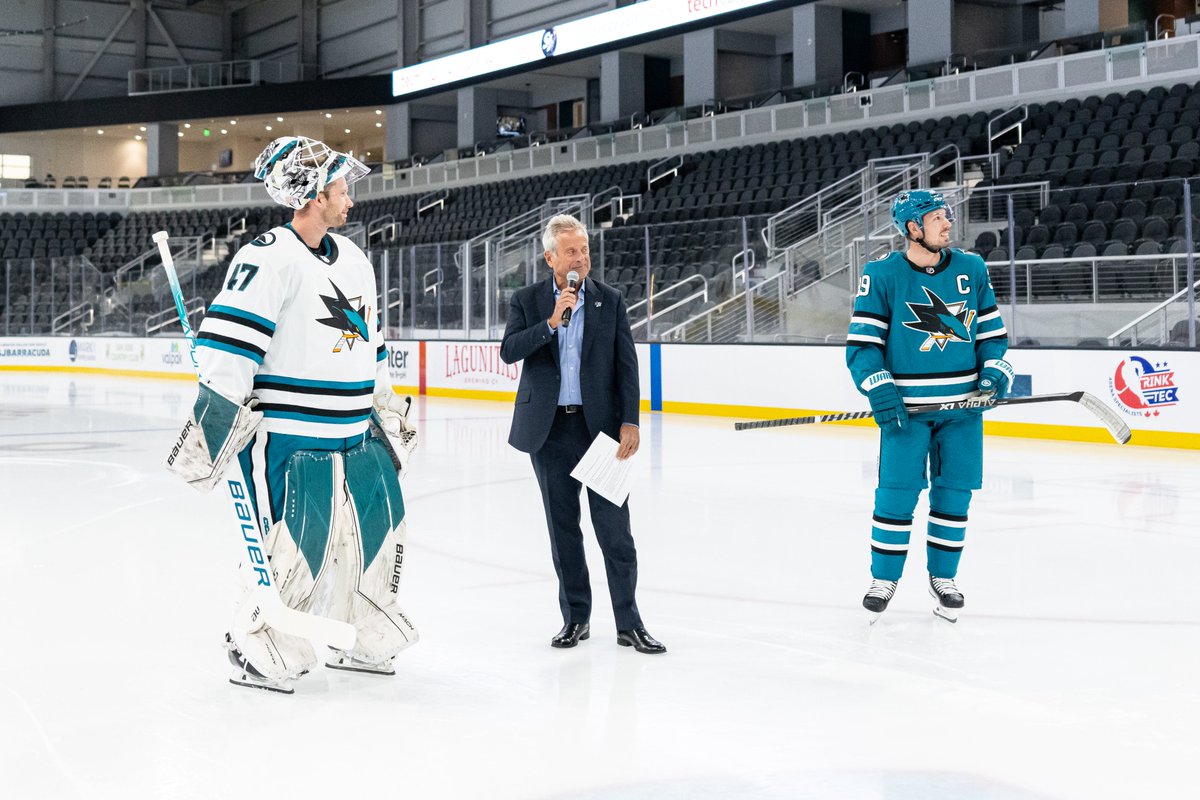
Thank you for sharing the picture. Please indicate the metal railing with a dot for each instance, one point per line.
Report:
(74, 320)
(643, 312)
(1004, 122)
(167, 320)
(1165, 325)
(216, 75)
(385, 229)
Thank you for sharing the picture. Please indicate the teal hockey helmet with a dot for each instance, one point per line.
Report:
(913, 205)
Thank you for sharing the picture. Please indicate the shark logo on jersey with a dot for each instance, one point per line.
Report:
(944, 322)
(348, 317)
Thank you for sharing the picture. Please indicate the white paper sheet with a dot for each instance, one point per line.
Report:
(601, 471)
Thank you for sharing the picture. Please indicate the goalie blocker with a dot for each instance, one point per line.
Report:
(212, 437)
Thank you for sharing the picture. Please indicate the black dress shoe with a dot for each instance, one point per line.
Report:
(571, 634)
(641, 641)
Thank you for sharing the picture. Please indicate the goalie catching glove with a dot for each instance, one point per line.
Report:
(389, 423)
(217, 431)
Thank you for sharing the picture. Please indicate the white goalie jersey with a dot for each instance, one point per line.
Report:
(314, 369)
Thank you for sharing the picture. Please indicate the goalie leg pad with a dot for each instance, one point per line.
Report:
(374, 526)
(212, 437)
(269, 656)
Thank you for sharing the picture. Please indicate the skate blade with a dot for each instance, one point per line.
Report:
(948, 614)
(363, 669)
(251, 683)
(873, 617)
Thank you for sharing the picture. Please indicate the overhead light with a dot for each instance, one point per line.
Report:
(279, 119)
(181, 134)
(100, 132)
(223, 130)
(138, 137)
(378, 111)
(347, 130)
(378, 124)
(187, 124)
(233, 122)
(328, 115)
(269, 128)
(142, 129)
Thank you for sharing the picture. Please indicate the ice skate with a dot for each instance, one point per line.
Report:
(878, 597)
(948, 597)
(244, 673)
(340, 659)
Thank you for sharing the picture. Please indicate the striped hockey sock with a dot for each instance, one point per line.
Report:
(889, 546)
(944, 542)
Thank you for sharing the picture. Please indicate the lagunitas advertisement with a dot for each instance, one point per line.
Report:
(469, 366)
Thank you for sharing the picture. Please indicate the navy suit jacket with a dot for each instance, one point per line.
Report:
(608, 370)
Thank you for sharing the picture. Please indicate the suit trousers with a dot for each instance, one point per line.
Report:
(568, 441)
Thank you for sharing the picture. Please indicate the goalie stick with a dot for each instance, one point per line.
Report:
(1113, 423)
(264, 604)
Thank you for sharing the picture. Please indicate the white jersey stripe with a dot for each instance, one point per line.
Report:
(887, 526)
(947, 523)
(944, 542)
(862, 337)
(895, 548)
(945, 398)
(974, 376)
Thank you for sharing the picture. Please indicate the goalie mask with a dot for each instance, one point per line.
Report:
(295, 168)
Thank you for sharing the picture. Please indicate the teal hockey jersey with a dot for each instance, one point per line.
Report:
(933, 328)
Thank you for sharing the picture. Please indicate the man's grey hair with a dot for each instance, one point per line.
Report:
(563, 223)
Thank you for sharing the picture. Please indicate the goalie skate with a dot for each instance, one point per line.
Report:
(244, 673)
(949, 598)
(877, 598)
(340, 659)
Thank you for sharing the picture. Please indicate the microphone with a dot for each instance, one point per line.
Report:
(572, 282)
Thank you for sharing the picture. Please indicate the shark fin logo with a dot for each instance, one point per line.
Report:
(347, 316)
(943, 322)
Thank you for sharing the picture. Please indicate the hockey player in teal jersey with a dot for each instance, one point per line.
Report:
(925, 329)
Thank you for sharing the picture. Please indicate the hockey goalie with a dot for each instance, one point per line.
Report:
(296, 414)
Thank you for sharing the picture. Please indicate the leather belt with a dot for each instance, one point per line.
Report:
(570, 409)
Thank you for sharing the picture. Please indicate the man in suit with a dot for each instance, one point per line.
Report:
(580, 379)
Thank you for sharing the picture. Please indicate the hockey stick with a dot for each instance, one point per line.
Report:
(263, 605)
(1114, 424)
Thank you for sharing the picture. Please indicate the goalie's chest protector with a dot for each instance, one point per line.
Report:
(317, 375)
(934, 315)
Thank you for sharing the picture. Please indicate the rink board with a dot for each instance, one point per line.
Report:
(1154, 390)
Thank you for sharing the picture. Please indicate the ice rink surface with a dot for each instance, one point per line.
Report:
(1072, 672)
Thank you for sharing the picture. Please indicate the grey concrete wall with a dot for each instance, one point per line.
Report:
(979, 27)
(510, 17)
(622, 85)
(930, 30)
(816, 44)
(700, 66)
(1081, 16)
